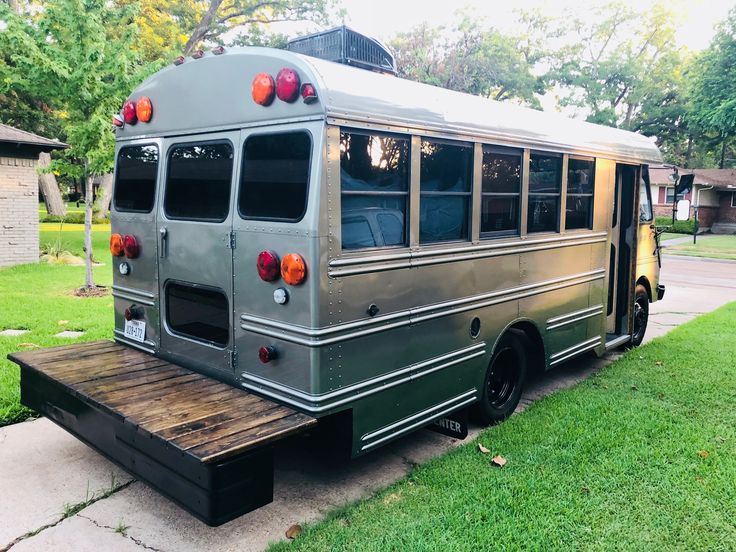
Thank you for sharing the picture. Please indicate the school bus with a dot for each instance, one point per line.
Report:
(300, 243)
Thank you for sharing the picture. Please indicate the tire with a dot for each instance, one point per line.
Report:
(641, 315)
(503, 381)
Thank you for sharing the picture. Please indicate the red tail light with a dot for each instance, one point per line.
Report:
(129, 115)
(144, 109)
(287, 85)
(267, 354)
(309, 94)
(130, 246)
(263, 89)
(268, 266)
(116, 245)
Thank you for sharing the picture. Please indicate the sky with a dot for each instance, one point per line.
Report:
(384, 18)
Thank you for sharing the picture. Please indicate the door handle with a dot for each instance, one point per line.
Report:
(164, 233)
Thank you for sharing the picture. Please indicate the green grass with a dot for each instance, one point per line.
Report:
(670, 236)
(715, 247)
(71, 207)
(72, 238)
(39, 298)
(639, 457)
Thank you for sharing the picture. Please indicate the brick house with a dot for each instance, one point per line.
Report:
(19, 152)
(714, 192)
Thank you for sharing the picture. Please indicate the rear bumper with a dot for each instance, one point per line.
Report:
(660, 292)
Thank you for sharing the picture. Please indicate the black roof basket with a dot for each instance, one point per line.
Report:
(344, 45)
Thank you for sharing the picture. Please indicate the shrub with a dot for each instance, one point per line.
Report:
(72, 218)
(679, 227)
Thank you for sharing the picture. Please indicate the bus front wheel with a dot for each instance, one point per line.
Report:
(503, 381)
(641, 315)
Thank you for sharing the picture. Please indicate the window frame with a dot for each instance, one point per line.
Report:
(190, 337)
(558, 195)
(468, 195)
(648, 187)
(309, 176)
(171, 148)
(502, 150)
(591, 195)
(365, 193)
(155, 184)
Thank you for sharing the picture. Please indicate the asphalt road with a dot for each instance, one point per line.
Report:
(44, 469)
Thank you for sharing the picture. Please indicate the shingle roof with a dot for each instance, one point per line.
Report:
(718, 178)
(12, 135)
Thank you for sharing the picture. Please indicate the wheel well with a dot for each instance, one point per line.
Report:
(534, 344)
(644, 282)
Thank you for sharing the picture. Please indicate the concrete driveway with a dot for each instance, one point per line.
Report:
(46, 473)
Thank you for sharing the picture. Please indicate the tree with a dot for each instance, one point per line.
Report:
(714, 87)
(78, 57)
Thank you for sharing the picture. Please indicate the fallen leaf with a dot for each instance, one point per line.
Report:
(62, 322)
(720, 439)
(661, 396)
(483, 449)
(29, 345)
(658, 363)
(698, 478)
(605, 387)
(634, 388)
(293, 531)
(393, 497)
(703, 453)
(499, 461)
(585, 489)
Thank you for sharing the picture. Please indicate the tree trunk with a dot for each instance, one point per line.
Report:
(203, 26)
(88, 200)
(104, 196)
(723, 153)
(49, 188)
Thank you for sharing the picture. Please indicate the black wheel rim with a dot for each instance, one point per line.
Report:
(640, 319)
(503, 378)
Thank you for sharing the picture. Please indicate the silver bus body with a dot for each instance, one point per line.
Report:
(385, 333)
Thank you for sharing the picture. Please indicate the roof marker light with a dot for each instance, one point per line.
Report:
(309, 94)
(287, 85)
(263, 89)
(144, 109)
(196, 54)
(179, 60)
(217, 50)
(129, 115)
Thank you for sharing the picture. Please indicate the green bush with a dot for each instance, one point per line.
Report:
(679, 227)
(72, 218)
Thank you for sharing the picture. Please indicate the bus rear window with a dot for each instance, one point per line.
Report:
(275, 176)
(135, 178)
(198, 181)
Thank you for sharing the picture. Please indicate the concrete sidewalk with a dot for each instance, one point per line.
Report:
(46, 471)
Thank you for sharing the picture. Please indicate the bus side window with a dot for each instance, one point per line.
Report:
(545, 181)
(580, 187)
(501, 191)
(445, 178)
(645, 199)
(374, 179)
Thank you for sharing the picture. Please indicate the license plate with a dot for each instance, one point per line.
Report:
(135, 330)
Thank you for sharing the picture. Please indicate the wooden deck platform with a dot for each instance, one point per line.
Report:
(201, 442)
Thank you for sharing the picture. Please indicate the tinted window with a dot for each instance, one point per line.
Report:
(374, 176)
(445, 177)
(135, 178)
(645, 196)
(545, 178)
(275, 177)
(199, 313)
(500, 192)
(198, 181)
(580, 187)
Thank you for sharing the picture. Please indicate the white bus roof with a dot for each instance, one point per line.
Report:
(214, 93)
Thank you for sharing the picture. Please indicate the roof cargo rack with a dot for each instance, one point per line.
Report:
(344, 45)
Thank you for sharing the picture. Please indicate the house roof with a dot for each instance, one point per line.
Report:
(13, 135)
(718, 178)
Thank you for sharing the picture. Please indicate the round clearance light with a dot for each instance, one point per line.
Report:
(287, 85)
(293, 269)
(116, 245)
(267, 354)
(129, 115)
(130, 246)
(144, 109)
(263, 89)
(268, 264)
(309, 94)
(280, 296)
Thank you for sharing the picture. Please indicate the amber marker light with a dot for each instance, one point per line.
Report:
(116, 245)
(293, 269)
(144, 109)
(263, 89)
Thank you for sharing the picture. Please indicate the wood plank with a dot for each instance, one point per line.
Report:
(138, 370)
(162, 409)
(229, 446)
(92, 362)
(128, 380)
(37, 357)
(190, 381)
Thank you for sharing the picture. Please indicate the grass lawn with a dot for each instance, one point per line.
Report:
(72, 238)
(71, 207)
(716, 247)
(39, 298)
(670, 236)
(639, 457)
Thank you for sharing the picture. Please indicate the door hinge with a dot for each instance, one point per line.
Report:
(233, 359)
(231, 240)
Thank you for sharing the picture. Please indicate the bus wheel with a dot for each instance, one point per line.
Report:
(641, 315)
(504, 380)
